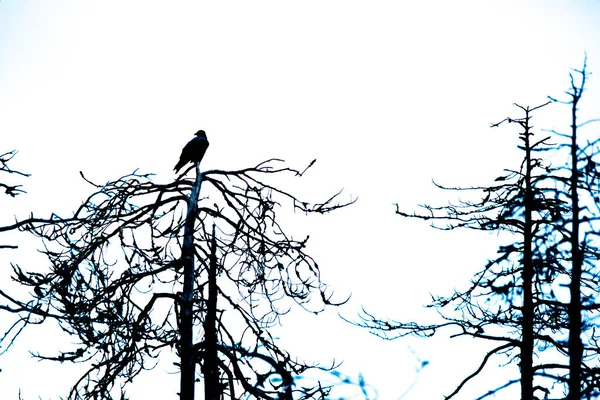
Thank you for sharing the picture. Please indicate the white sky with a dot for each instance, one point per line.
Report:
(385, 94)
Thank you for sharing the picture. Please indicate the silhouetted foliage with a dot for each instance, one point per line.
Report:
(116, 272)
(10, 189)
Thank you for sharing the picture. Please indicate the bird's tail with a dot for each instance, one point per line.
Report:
(179, 165)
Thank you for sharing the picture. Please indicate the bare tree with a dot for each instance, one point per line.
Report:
(501, 304)
(519, 299)
(576, 245)
(116, 282)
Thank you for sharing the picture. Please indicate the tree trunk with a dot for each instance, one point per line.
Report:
(186, 345)
(575, 345)
(527, 276)
(210, 367)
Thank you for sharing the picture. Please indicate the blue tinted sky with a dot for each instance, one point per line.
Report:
(385, 94)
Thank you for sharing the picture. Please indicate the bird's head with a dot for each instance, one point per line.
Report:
(201, 133)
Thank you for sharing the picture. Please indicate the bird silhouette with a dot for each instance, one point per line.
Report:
(193, 151)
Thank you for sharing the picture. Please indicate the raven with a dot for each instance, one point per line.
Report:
(193, 151)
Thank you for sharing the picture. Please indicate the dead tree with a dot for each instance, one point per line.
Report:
(115, 282)
(501, 303)
(577, 186)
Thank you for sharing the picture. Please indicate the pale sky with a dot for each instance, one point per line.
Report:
(385, 94)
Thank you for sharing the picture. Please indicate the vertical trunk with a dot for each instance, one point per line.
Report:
(210, 367)
(527, 276)
(186, 345)
(575, 345)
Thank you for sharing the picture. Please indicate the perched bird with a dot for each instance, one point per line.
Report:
(193, 151)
